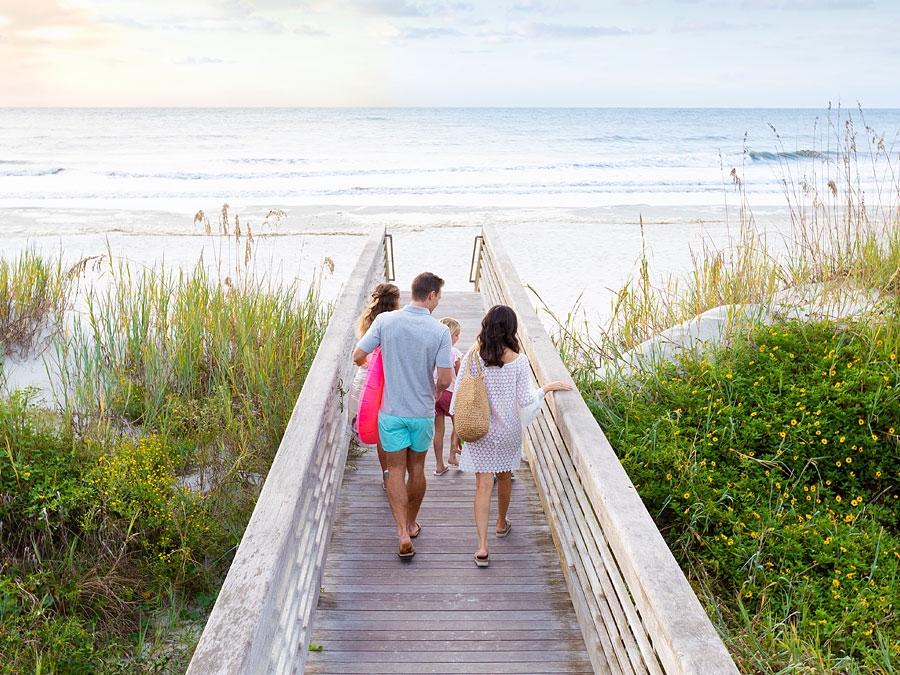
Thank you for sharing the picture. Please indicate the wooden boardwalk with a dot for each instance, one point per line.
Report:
(439, 613)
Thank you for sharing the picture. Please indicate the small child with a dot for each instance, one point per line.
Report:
(442, 408)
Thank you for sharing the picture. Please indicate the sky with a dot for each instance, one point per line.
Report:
(606, 53)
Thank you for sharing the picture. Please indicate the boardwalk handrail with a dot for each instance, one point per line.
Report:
(637, 611)
(262, 617)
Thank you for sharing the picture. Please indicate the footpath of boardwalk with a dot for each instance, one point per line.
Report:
(439, 613)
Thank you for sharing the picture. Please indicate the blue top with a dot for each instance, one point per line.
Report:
(413, 343)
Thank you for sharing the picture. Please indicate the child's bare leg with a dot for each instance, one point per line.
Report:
(439, 466)
(455, 446)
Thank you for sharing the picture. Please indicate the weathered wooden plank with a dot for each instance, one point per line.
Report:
(600, 565)
(615, 635)
(534, 632)
(504, 646)
(413, 618)
(415, 667)
(526, 658)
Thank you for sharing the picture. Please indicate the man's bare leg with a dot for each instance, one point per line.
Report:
(415, 488)
(397, 492)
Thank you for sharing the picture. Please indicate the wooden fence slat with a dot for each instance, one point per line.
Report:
(606, 577)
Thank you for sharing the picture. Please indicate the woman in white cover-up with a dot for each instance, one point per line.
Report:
(507, 379)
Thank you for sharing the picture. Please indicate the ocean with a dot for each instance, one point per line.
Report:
(566, 188)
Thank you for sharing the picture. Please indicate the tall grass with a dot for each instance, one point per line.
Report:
(769, 461)
(122, 507)
(843, 237)
(34, 294)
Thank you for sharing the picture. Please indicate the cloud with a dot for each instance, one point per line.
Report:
(199, 61)
(715, 27)
(192, 23)
(309, 30)
(555, 30)
(545, 7)
(426, 33)
(45, 22)
(496, 36)
(809, 4)
(393, 8)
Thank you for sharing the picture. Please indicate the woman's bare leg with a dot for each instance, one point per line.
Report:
(504, 490)
(484, 486)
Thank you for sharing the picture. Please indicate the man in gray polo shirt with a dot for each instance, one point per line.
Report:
(413, 343)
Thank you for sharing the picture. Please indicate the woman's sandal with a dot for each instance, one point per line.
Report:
(505, 530)
(482, 561)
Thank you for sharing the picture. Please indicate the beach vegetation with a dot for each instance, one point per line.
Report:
(769, 457)
(35, 292)
(121, 506)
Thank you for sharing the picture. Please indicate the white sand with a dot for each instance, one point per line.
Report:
(564, 253)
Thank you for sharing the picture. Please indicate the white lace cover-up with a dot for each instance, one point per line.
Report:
(513, 404)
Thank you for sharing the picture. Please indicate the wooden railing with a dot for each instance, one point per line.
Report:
(262, 618)
(638, 614)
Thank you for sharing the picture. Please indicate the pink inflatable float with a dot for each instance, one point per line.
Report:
(370, 400)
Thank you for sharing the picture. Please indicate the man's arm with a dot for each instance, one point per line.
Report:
(445, 377)
(359, 356)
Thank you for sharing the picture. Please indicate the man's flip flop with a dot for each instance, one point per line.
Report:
(441, 473)
(407, 552)
(418, 529)
(482, 561)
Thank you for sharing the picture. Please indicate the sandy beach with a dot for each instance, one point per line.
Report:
(564, 253)
(572, 257)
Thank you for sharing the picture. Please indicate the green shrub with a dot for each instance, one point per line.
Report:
(41, 492)
(138, 483)
(773, 470)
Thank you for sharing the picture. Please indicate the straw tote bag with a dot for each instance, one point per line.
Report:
(471, 409)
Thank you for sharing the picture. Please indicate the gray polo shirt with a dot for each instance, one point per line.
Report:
(413, 343)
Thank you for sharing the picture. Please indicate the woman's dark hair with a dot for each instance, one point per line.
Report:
(498, 331)
(385, 298)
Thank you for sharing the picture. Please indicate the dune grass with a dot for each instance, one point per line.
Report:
(123, 505)
(770, 460)
(34, 294)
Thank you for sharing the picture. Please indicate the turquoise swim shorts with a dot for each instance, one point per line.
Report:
(398, 433)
